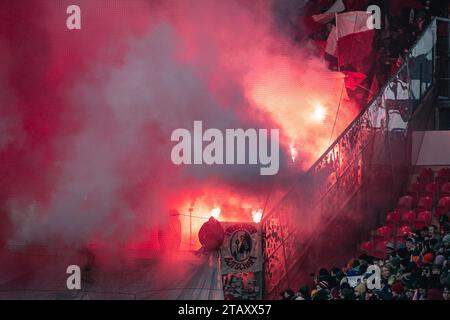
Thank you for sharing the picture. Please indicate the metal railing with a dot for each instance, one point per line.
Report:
(364, 148)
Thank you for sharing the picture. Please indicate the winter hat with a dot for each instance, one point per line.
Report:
(323, 284)
(446, 238)
(439, 260)
(401, 245)
(428, 258)
(390, 245)
(395, 262)
(304, 291)
(434, 294)
(324, 272)
(397, 287)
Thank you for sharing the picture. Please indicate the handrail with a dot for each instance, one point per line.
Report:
(340, 158)
(357, 118)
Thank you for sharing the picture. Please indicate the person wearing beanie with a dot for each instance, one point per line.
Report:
(446, 239)
(390, 247)
(288, 295)
(398, 291)
(347, 294)
(384, 293)
(411, 247)
(341, 278)
(303, 294)
(345, 285)
(322, 285)
(363, 264)
(439, 260)
(398, 288)
(333, 282)
(401, 246)
(428, 258)
(434, 294)
(322, 292)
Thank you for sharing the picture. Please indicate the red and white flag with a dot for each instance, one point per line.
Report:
(327, 16)
(351, 39)
(353, 79)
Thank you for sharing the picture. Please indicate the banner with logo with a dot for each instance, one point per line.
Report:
(241, 248)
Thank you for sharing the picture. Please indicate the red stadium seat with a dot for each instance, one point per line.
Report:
(442, 176)
(405, 202)
(417, 187)
(414, 191)
(402, 233)
(445, 190)
(384, 232)
(407, 218)
(426, 176)
(392, 219)
(423, 219)
(431, 190)
(425, 204)
(367, 247)
(380, 249)
(443, 206)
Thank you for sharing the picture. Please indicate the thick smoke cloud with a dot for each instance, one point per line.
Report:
(86, 116)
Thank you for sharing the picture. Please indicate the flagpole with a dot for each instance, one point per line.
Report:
(337, 42)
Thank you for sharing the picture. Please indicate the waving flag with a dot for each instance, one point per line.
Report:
(327, 16)
(351, 39)
(353, 79)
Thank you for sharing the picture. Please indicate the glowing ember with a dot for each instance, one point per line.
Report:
(293, 151)
(319, 113)
(257, 215)
(215, 213)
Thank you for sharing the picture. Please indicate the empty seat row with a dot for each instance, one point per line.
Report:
(427, 175)
(414, 211)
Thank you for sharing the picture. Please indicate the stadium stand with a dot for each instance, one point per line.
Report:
(412, 250)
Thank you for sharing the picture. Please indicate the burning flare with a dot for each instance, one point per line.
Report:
(319, 113)
(215, 213)
(293, 151)
(257, 215)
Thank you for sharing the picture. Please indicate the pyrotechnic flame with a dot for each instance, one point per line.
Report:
(319, 113)
(257, 215)
(215, 213)
(293, 151)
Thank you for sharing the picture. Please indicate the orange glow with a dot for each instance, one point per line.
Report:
(319, 113)
(215, 213)
(302, 98)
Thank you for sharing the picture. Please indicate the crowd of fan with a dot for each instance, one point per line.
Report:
(400, 29)
(417, 269)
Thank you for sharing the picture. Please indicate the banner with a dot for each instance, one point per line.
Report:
(351, 40)
(241, 248)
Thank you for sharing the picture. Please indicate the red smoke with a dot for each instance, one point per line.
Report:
(86, 115)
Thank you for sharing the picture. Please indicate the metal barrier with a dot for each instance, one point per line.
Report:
(374, 145)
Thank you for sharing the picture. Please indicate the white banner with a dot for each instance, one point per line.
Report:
(241, 248)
